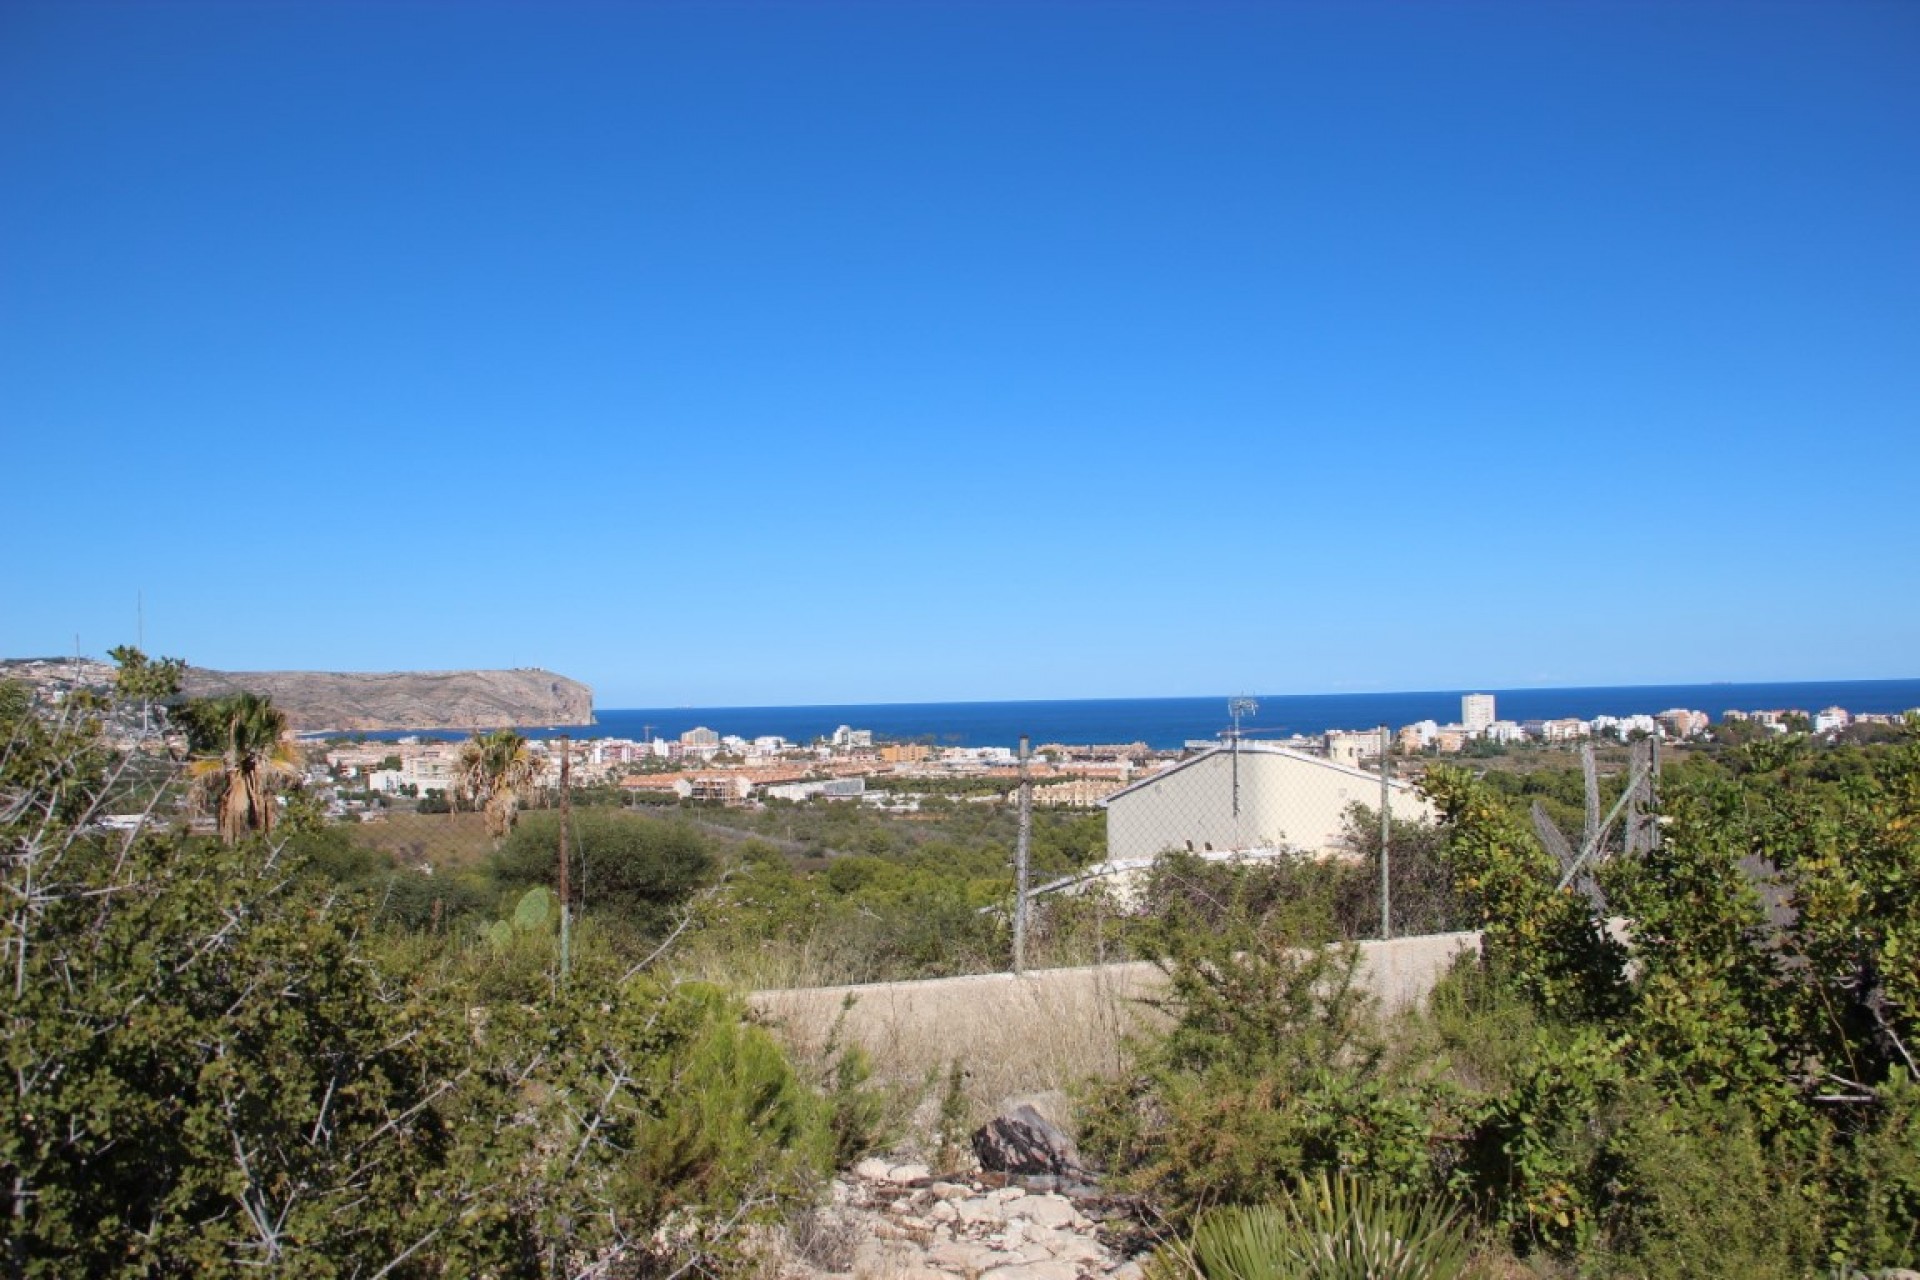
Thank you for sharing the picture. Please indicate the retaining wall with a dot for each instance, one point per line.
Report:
(1045, 1029)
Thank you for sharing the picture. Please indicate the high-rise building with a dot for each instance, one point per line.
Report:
(1476, 712)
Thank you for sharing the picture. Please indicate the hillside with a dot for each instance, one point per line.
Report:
(314, 700)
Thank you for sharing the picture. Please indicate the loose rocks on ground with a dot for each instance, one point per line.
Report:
(897, 1222)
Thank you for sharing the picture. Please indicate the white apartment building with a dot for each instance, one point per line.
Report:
(1476, 712)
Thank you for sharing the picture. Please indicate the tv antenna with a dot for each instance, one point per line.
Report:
(1236, 708)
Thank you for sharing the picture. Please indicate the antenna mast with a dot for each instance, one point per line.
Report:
(1237, 707)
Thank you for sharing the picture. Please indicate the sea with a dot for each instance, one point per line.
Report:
(1169, 723)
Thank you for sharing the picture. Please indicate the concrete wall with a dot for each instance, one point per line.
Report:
(1047, 1029)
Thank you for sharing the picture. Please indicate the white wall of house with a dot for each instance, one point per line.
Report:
(1286, 799)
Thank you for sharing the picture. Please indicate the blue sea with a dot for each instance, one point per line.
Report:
(1167, 723)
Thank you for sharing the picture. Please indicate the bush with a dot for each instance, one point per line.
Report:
(1272, 1067)
(216, 1070)
(626, 866)
(1327, 1229)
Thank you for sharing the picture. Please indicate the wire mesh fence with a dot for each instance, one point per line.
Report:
(894, 876)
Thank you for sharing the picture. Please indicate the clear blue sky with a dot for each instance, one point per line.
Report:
(783, 353)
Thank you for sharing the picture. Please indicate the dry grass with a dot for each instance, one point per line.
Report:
(446, 841)
(1049, 1029)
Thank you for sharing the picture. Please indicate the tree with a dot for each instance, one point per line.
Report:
(145, 680)
(242, 759)
(624, 865)
(494, 770)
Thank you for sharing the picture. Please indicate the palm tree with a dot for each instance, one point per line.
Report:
(494, 769)
(242, 758)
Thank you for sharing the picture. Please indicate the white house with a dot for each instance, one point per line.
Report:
(1250, 798)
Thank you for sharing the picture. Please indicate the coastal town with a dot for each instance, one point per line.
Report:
(850, 764)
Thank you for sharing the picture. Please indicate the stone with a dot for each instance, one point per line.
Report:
(981, 1210)
(872, 1170)
(1128, 1271)
(950, 1190)
(1051, 1270)
(943, 1211)
(1048, 1211)
(1024, 1141)
(1079, 1249)
(1053, 1105)
(907, 1173)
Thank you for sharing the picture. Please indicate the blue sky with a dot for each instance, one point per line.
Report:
(782, 353)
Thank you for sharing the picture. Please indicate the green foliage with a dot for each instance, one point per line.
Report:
(215, 1069)
(1329, 1228)
(1272, 1066)
(200, 1065)
(859, 1112)
(1719, 1080)
(145, 680)
(629, 867)
(1542, 941)
(950, 1129)
(1739, 1100)
(1698, 1190)
(242, 761)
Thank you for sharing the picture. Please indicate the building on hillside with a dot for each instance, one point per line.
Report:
(849, 788)
(1351, 746)
(1074, 793)
(1682, 723)
(1476, 712)
(1412, 739)
(723, 788)
(1566, 729)
(1250, 799)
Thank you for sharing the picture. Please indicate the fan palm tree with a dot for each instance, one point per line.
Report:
(494, 770)
(241, 760)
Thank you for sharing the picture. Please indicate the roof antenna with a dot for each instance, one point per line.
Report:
(1237, 707)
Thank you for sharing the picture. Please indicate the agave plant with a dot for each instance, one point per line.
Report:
(1329, 1229)
(495, 769)
(242, 759)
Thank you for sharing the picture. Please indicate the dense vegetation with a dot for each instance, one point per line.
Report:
(1713, 1076)
(306, 1049)
(223, 1058)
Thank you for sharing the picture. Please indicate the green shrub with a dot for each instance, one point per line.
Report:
(1326, 1229)
(1697, 1192)
(1272, 1067)
(628, 867)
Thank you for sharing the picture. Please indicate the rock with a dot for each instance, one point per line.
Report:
(1048, 1211)
(1053, 1105)
(1024, 1141)
(1051, 1270)
(981, 1210)
(907, 1173)
(892, 1225)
